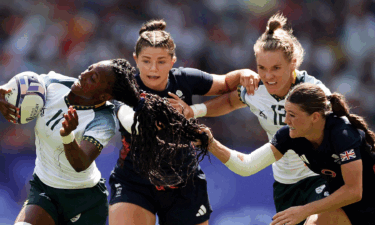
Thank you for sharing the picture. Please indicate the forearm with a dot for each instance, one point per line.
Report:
(233, 79)
(77, 158)
(243, 164)
(342, 197)
(219, 106)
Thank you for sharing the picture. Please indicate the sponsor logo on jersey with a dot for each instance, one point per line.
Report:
(350, 154)
(328, 172)
(326, 193)
(118, 190)
(202, 210)
(261, 114)
(74, 219)
(44, 195)
(303, 157)
(320, 189)
(336, 158)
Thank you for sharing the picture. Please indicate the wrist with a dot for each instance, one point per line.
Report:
(199, 110)
(68, 138)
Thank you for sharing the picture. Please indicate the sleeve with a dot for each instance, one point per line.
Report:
(282, 141)
(101, 129)
(241, 90)
(346, 143)
(200, 82)
(313, 80)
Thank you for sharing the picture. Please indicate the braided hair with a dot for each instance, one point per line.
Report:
(162, 142)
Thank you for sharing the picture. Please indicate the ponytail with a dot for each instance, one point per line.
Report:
(341, 108)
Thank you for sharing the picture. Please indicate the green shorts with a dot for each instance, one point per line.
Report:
(301, 193)
(71, 206)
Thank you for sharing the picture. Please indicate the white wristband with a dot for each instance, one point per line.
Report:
(68, 138)
(199, 110)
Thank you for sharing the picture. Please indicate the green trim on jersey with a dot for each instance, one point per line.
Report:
(94, 141)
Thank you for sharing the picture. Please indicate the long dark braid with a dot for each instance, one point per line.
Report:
(164, 134)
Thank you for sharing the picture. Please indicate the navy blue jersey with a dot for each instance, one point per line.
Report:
(184, 82)
(342, 143)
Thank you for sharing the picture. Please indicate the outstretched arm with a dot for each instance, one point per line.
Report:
(226, 83)
(243, 164)
(223, 104)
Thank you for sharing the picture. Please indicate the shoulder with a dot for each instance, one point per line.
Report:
(342, 133)
(281, 140)
(187, 71)
(53, 77)
(304, 77)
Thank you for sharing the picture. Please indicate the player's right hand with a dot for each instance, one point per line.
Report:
(8, 110)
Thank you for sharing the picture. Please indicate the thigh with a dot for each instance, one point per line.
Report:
(123, 213)
(329, 218)
(185, 206)
(35, 215)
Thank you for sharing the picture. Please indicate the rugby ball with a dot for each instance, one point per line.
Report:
(28, 94)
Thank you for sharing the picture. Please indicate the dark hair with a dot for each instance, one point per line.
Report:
(152, 34)
(311, 98)
(279, 36)
(155, 149)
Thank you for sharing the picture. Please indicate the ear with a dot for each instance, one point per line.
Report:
(174, 59)
(293, 64)
(135, 58)
(316, 116)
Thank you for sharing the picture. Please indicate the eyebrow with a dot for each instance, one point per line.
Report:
(147, 57)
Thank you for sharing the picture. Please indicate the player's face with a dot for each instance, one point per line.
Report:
(95, 82)
(275, 72)
(154, 65)
(299, 122)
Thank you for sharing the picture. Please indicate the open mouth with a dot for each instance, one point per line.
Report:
(77, 83)
(292, 128)
(153, 77)
(271, 83)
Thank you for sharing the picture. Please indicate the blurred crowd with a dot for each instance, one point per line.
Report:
(216, 36)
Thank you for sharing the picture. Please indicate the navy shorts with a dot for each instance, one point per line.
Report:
(71, 206)
(301, 193)
(187, 205)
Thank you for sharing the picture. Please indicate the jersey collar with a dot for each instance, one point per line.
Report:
(83, 107)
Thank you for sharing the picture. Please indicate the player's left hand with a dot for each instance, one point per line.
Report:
(180, 105)
(249, 80)
(291, 216)
(70, 122)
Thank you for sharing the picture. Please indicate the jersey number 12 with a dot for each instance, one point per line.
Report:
(279, 114)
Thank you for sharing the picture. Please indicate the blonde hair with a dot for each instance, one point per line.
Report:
(279, 36)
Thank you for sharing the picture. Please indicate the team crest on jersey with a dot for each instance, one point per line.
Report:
(180, 94)
(320, 189)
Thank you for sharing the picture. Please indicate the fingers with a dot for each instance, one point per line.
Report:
(70, 122)
(173, 96)
(5, 91)
(251, 82)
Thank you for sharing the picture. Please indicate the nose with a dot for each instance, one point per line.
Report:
(153, 67)
(287, 119)
(268, 75)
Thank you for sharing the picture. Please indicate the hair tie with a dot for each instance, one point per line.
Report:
(140, 105)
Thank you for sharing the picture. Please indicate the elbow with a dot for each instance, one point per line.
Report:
(80, 168)
(358, 196)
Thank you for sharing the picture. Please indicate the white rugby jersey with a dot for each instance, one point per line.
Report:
(96, 124)
(271, 115)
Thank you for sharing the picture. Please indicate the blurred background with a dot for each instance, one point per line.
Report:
(216, 36)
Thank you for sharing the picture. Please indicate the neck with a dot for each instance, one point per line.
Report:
(316, 134)
(77, 100)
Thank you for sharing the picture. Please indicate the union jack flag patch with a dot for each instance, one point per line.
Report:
(350, 154)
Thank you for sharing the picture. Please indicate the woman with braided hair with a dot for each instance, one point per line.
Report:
(332, 142)
(177, 193)
(67, 187)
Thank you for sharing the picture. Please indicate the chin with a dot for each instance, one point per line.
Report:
(293, 134)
